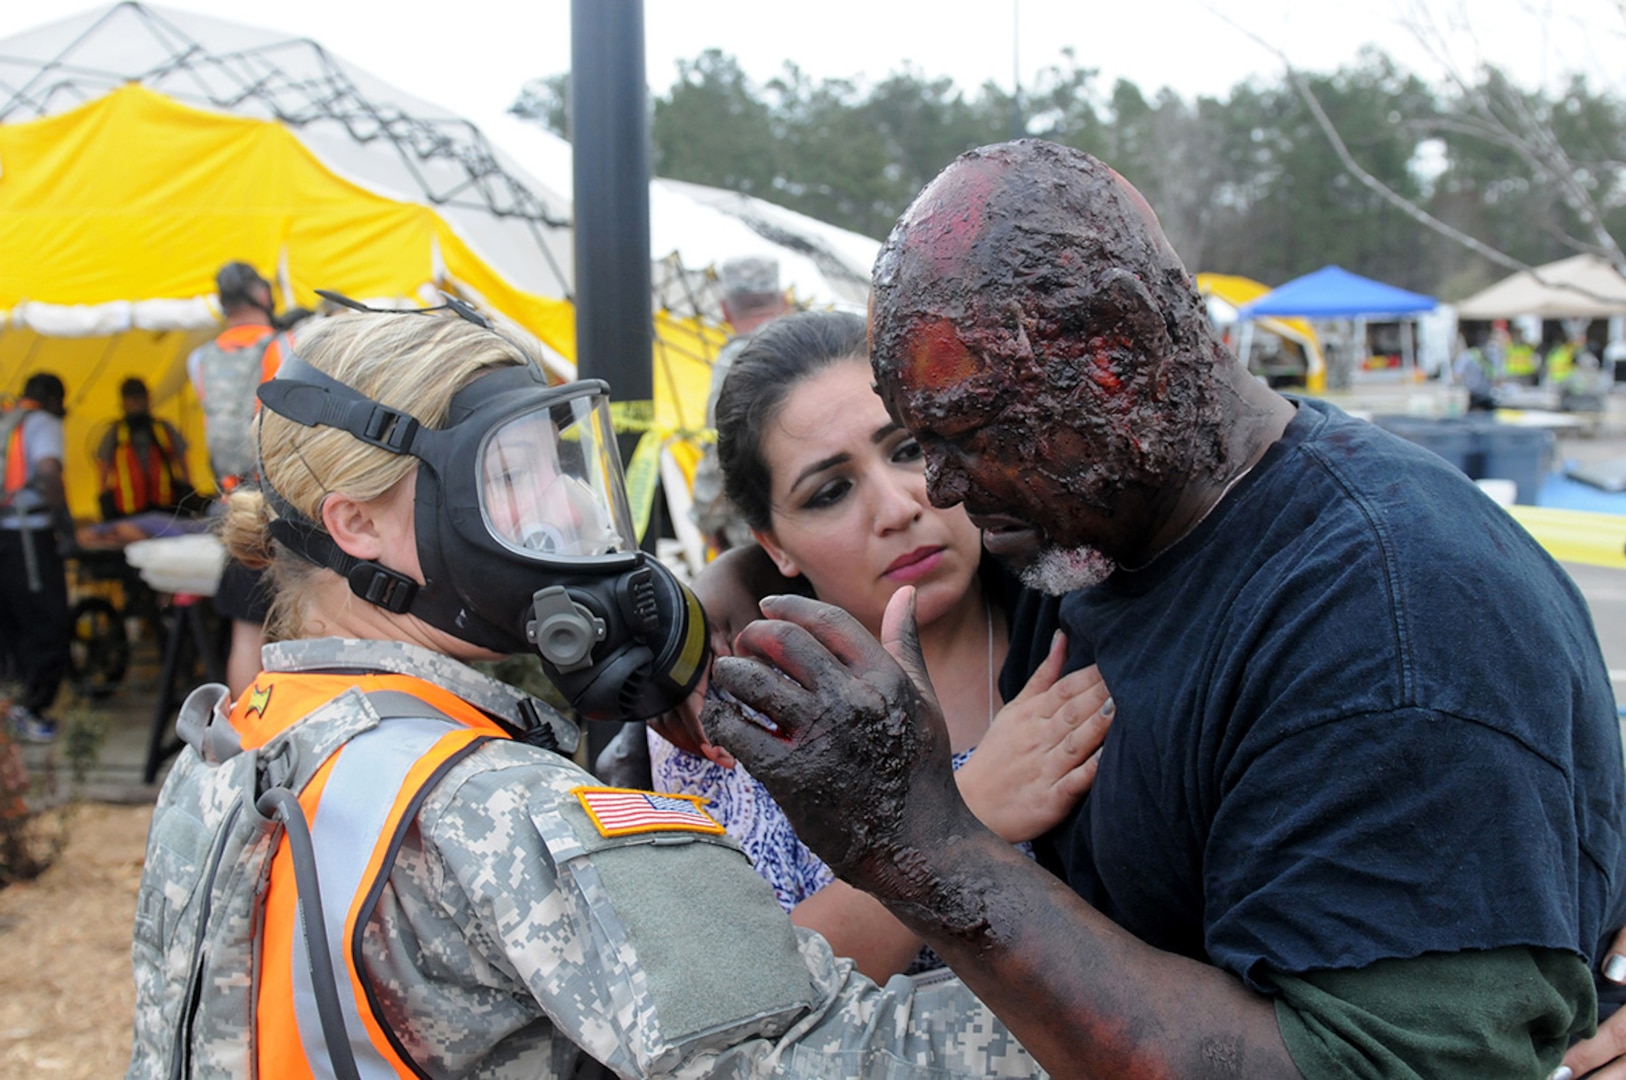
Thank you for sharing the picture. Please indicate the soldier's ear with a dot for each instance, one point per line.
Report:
(354, 525)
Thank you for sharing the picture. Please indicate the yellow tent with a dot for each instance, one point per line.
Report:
(134, 199)
(140, 150)
(1234, 291)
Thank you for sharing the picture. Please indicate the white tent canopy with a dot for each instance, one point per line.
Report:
(504, 184)
(693, 228)
(1579, 287)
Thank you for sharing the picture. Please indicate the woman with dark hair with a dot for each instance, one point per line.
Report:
(834, 492)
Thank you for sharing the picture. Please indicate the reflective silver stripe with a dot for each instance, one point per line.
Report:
(350, 820)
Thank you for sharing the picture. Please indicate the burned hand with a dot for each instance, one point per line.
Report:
(859, 760)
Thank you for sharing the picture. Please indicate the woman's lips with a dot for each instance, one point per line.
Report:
(914, 565)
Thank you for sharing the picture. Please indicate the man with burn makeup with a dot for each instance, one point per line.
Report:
(1345, 823)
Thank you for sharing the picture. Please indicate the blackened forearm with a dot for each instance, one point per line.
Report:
(1085, 997)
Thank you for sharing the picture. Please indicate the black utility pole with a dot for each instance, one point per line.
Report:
(609, 135)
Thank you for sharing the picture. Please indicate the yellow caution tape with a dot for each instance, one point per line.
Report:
(631, 417)
(643, 476)
(643, 468)
(1580, 536)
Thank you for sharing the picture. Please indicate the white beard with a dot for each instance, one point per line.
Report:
(1058, 571)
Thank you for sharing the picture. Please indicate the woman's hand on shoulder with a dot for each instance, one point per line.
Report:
(1041, 753)
(1605, 1052)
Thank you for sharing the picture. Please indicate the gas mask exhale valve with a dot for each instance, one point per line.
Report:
(647, 608)
(562, 631)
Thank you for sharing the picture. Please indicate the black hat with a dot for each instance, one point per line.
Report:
(237, 283)
(43, 386)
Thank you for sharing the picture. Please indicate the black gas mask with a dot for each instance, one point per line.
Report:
(523, 532)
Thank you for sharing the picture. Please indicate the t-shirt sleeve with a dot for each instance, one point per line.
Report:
(177, 441)
(108, 444)
(1346, 842)
(42, 439)
(194, 371)
(1441, 1016)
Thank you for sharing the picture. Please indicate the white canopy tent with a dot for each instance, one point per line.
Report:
(502, 183)
(351, 183)
(693, 228)
(1579, 287)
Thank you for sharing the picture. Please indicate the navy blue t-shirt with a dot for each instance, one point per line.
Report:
(1361, 715)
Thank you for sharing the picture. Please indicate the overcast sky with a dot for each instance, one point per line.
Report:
(473, 55)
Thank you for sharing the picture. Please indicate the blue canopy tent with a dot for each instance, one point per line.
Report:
(1334, 293)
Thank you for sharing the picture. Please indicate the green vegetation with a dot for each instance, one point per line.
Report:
(1246, 185)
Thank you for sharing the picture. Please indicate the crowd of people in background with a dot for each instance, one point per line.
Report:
(1576, 368)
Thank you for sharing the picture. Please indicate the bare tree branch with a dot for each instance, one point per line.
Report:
(1526, 134)
(1527, 146)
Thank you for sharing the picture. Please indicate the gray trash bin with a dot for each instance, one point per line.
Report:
(1483, 449)
(1452, 438)
(1523, 455)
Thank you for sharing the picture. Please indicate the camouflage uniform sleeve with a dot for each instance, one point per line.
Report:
(664, 954)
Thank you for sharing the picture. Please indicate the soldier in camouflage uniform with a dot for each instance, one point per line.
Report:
(378, 861)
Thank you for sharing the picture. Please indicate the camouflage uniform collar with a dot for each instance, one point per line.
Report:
(400, 658)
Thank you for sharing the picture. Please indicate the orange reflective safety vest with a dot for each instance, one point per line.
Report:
(359, 805)
(138, 481)
(11, 446)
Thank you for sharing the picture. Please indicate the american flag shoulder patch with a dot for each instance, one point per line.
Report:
(624, 811)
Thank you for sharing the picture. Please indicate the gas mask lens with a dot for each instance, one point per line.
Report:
(551, 482)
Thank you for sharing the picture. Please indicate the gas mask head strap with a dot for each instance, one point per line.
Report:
(309, 397)
(374, 582)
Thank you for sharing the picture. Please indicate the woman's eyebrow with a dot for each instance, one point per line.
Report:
(819, 466)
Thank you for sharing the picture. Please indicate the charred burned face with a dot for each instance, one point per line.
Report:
(1044, 452)
(1027, 326)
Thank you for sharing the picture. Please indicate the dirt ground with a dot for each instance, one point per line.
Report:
(66, 995)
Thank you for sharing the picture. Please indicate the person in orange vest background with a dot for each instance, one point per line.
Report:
(142, 459)
(34, 624)
(226, 372)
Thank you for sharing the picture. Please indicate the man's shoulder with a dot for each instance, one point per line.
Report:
(44, 431)
(234, 339)
(108, 442)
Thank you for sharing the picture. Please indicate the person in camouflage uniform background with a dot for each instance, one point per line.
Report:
(483, 912)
